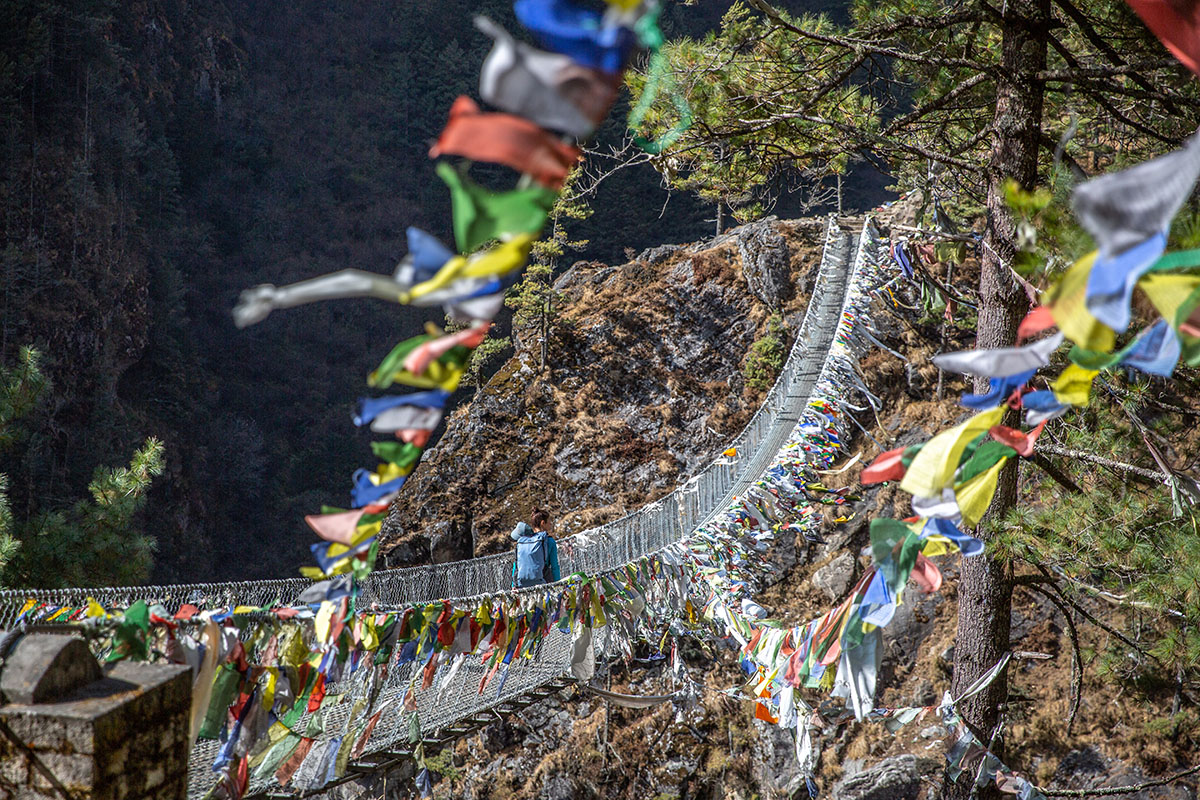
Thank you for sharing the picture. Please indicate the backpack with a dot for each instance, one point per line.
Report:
(531, 559)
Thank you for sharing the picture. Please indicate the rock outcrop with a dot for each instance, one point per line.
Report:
(644, 386)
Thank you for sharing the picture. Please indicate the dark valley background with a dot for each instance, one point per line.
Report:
(159, 157)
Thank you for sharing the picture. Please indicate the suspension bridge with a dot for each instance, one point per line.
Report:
(453, 705)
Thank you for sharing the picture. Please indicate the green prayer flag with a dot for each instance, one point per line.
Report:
(984, 458)
(402, 454)
(224, 692)
(910, 453)
(481, 214)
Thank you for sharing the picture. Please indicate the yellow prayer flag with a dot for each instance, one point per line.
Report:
(324, 621)
(975, 495)
(500, 260)
(94, 609)
(364, 532)
(933, 468)
(1168, 292)
(1074, 385)
(1067, 302)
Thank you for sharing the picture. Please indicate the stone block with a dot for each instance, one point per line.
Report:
(123, 736)
(45, 667)
(75, 772)
(836, 577)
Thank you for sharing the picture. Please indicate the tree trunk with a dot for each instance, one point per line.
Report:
(985, 587)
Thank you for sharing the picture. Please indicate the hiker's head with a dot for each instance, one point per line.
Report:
(541, 521)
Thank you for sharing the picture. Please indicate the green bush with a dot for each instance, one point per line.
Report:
(767, 355)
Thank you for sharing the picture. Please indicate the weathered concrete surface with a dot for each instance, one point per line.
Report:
(46, 667)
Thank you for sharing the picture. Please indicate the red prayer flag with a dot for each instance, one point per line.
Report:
(1176, 23)
(1037, 320)
(886, 467)
(505, 139)
(1018, 440)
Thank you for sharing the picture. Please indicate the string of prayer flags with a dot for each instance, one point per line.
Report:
(505, 139)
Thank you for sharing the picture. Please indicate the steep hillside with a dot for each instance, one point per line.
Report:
(644, 385)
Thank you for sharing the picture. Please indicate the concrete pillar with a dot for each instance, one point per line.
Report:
(70, 729)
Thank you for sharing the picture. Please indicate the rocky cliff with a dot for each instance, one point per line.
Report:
(644, 384)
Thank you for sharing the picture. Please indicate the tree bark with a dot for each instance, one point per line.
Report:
(985, 586)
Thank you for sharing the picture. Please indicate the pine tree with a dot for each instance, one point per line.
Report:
(93, 542)
(534, 300)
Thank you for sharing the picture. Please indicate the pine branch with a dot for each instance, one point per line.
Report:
(1077, 73)
(1101, 44)
(873, 48)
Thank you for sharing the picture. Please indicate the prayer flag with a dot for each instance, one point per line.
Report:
(481, 214)
(408, 420)
(462, 278)
(577, 32)
(505, 139)
(1155, 351)
(549, 89)
(1017, 440)
(1067, 302)
(1123, 209)
(1001, 362)
(1111, 281)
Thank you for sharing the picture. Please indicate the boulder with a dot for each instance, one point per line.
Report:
(836, 577)
(894, 778)
(766, 262)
